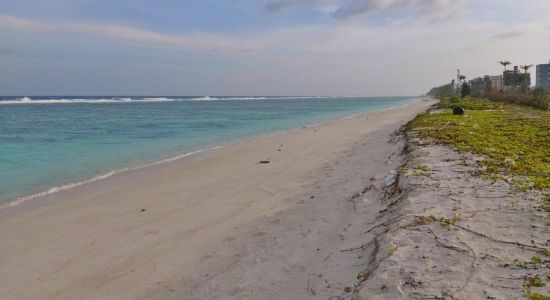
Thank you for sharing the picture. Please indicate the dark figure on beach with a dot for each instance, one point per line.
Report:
(457, 110)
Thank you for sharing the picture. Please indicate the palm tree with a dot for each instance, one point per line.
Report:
(526, 67)
(505, 64)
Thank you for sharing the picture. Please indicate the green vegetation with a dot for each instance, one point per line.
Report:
(422, 168)
(536, 296)
(443, 221)
(514, 140)
(536, 260)
(514, 144)
(546, 205)
(427, 220)
(534, 281)
(536, 98)
(545, 251)
(468, 103)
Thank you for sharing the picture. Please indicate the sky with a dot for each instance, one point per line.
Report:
(262, 47)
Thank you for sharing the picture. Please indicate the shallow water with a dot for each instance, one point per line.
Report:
(50, 141)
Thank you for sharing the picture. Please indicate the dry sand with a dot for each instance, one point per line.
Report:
(218, 225)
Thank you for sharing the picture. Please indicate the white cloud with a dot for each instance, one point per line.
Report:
(195, 42)
(278, 5)
(510, 34)
(437, 8)
(10, 22)
(345, 9)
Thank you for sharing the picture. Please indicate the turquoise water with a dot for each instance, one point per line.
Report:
(51, 141)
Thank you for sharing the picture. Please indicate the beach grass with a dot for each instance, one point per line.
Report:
(513, 140)
(468, 103)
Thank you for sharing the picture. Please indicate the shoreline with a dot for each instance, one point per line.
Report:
(47, 192)
(75, 184)
(154, 234)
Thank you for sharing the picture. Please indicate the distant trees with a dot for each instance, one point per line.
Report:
(442, 91)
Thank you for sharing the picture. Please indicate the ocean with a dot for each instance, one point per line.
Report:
(52, 143)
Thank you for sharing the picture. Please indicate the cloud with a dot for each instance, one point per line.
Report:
(196, 42)
(510, 34)
(20, 24)
(278, 5)
(354, 8)
(341, 10)
(330, 58)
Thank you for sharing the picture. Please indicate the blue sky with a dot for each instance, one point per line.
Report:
(261, 47)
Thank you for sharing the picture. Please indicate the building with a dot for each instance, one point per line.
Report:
(480, 86)
(543, 76)
(496, 83)
(515, 80)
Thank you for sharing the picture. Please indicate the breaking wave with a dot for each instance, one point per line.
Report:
(28, 100)
(207, 98)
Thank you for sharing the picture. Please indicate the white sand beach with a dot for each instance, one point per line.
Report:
(217, 225)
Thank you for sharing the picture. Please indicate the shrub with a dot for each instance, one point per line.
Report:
(537, 98)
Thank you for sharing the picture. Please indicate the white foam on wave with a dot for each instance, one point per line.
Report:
(246, 98)
(27, 100)
(207, 98)
(158, 99)
(56, 189)
(71, 185)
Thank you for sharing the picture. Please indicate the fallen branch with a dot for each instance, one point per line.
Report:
(368, 244)
(367, 273)
(532, 247)
(472, 266)
(389, 222)
(438, 242)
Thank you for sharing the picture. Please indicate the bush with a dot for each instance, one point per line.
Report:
(468, 103)
(454, 99)
(537, 98)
